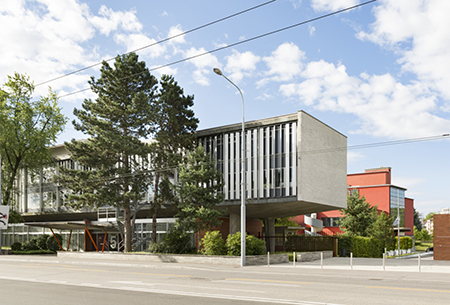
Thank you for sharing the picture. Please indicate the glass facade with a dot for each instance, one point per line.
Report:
(270, 160)
(397, 204)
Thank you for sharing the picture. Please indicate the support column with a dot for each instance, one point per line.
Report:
(235, 223)
(269, 228)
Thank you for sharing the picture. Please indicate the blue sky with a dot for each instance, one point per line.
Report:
(377, 73)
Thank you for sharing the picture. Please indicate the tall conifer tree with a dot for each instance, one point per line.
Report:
(174, 134)
(114, 158)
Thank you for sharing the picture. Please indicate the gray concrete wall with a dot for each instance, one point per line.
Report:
(322, 163)
(173, 258)
(312, 256)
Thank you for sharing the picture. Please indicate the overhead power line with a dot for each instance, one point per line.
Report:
(240, 42)
(159, 42)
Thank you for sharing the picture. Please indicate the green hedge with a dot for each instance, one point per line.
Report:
(24, 252)
(361, 246)
(405, 243)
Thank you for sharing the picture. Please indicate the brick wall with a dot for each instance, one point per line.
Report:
(441, 237)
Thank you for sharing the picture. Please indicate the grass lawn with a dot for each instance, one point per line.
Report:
(423, 246)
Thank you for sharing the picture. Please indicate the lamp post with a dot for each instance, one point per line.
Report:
(243, 155)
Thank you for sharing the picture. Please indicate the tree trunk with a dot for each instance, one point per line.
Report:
(155, 207)
(127, 229)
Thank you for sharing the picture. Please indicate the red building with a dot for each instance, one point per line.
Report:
(375, 185)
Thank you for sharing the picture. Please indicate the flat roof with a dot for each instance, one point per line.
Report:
(60, 225)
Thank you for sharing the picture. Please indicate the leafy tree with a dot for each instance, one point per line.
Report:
(382, 229)
(114, 158)
(418, 234)
(359, 216)
(28, 127)
(285, 222)
(175, 124)
(198, 192)
(417, 221)
(429, 216)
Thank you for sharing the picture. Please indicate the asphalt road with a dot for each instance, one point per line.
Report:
(51, 280)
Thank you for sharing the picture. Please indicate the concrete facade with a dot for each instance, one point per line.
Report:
(295, 164)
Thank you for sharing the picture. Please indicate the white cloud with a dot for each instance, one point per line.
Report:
(109, 20)
(312, 30)
(175, 31)
(383, 106)
(138, 40)
(354, 156)
(284, 64)
(332, 5)
(296, 3)
(204, 64)
(164, 14)
(240, 65)
(419, 32)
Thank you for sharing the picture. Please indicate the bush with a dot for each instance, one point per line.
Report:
(175, 241)
(52, 244)
(157, 248)
(253, 245)
(362, 246)
(30, 245)
(213, 244)
(22, 252)
(16, 246)
(41, 242)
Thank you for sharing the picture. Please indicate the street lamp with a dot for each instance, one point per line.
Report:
(243, 155)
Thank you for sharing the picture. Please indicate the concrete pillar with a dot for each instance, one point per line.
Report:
(269, 227)
(235, 223)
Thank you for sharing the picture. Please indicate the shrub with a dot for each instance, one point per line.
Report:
(52, 244)
(362, 246)
(213, 244)
(177, 241)
(16, 246)
(157, 248)
(253, 245)
(41, 242)
(30, 245)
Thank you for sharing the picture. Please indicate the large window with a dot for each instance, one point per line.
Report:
(331, 221)
(397, 204)
(270, 160)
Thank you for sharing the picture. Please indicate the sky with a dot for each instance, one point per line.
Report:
(376, 73)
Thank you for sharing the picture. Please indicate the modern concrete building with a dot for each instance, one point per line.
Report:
(295, 164)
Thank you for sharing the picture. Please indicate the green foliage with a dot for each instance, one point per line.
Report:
(28, 127)
(429, 216)
(178, 241)
(174, 125)
(361, 246)
(359, 216)
(30, 245)
(285, 222)
(157, 248)
(31, 252)
(175, 241)
(16, 246)
(213, 244)
(417, 221)
(307, 243)
(198, 192)
(253, 245)
(41, 241)
(422, 235)
(52, 244)
(405, 243)
(382, 229)
(114, 158)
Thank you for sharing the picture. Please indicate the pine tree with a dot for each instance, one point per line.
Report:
(198, 193)
(175, 125)
(417, 221)
(382, 228)
(359, 216)
(114, 159)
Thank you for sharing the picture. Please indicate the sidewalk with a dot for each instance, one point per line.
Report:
(403, 264)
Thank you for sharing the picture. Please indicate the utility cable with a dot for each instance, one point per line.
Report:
(239, 42)
(158, 42)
